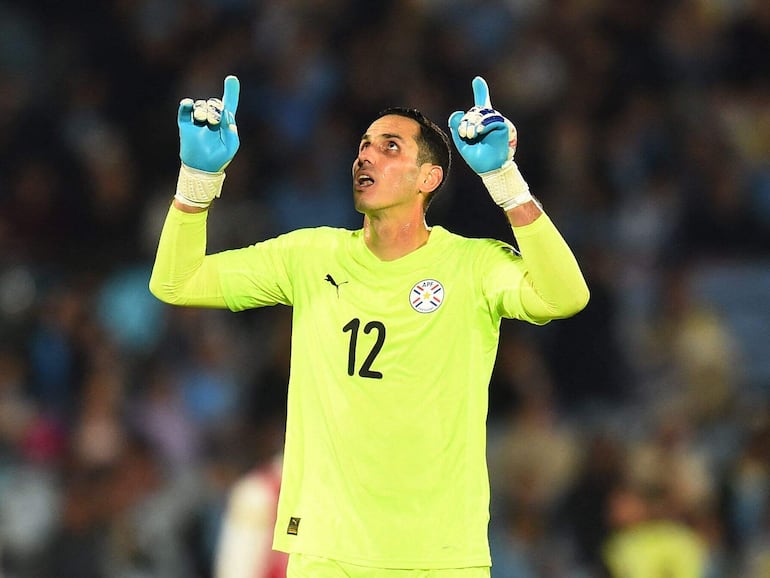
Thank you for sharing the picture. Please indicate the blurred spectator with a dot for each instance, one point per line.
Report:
(534, 459)
(245, 545)
(245, 537)
(78, 546)
(647, 540)
(150, 509)
(159, 415)
(748, 501)
(99, 433)
(583, 512)
(690, 353)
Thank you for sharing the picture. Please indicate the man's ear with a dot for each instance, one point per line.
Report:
(431, 178)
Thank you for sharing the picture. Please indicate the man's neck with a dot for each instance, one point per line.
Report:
(390, 239)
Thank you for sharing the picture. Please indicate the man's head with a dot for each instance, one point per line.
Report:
(433, 142)
(401, 150)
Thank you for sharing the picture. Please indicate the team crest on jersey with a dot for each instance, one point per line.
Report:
(426, 296)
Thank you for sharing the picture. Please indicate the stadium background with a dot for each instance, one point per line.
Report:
(644, 128)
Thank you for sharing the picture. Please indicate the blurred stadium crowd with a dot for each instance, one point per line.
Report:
(644, 128)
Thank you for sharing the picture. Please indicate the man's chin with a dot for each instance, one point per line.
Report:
(359, 201)
(361, 209)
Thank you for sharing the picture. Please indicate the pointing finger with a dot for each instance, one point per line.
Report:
(481, 93)
(231, 95)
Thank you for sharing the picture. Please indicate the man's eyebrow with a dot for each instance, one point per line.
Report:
(387, 135)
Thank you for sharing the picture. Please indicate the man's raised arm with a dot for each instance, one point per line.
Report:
(208, 138)
(555, 287)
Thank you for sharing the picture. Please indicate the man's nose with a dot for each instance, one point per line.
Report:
(364, 156)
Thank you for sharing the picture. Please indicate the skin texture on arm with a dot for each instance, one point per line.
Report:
(523, 214)
(187, 208)
(182, 274)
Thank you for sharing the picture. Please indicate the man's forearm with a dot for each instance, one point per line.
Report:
(558, 288)
(182, 275)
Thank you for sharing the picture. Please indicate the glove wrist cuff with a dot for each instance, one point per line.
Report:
(506, 186)
(197, 188)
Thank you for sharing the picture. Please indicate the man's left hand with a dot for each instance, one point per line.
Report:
(483, 136)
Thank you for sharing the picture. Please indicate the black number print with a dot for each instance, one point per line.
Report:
(366, 367)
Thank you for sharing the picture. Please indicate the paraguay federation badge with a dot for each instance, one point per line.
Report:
(426, 296)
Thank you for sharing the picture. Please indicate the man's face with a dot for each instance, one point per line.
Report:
(385, 172)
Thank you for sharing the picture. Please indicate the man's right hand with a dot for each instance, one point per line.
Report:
(208, 135)
(208, 141)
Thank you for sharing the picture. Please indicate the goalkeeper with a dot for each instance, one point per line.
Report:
(394, 336)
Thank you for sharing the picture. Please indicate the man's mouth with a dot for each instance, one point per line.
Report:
(363, 181)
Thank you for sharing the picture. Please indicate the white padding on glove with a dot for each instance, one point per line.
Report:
(208, 112)
(197, 188)
(506, 186)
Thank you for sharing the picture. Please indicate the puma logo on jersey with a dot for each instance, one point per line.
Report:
(333, 283)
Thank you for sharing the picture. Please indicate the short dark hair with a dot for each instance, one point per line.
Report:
(432, 142)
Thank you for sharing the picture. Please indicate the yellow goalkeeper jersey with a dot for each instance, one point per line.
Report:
(385, 446)
(385, 457)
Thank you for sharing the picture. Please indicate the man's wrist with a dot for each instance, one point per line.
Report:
(507, 187)
(525, 214)
(196, 188)
(185, 208)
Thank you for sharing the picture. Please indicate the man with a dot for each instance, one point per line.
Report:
(395, 331)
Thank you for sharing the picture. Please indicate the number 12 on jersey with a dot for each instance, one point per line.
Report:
(366, 367)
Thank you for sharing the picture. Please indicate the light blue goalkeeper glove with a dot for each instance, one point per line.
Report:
(208, 141)
(487, 141)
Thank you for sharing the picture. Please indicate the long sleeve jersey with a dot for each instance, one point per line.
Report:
(385, 452)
